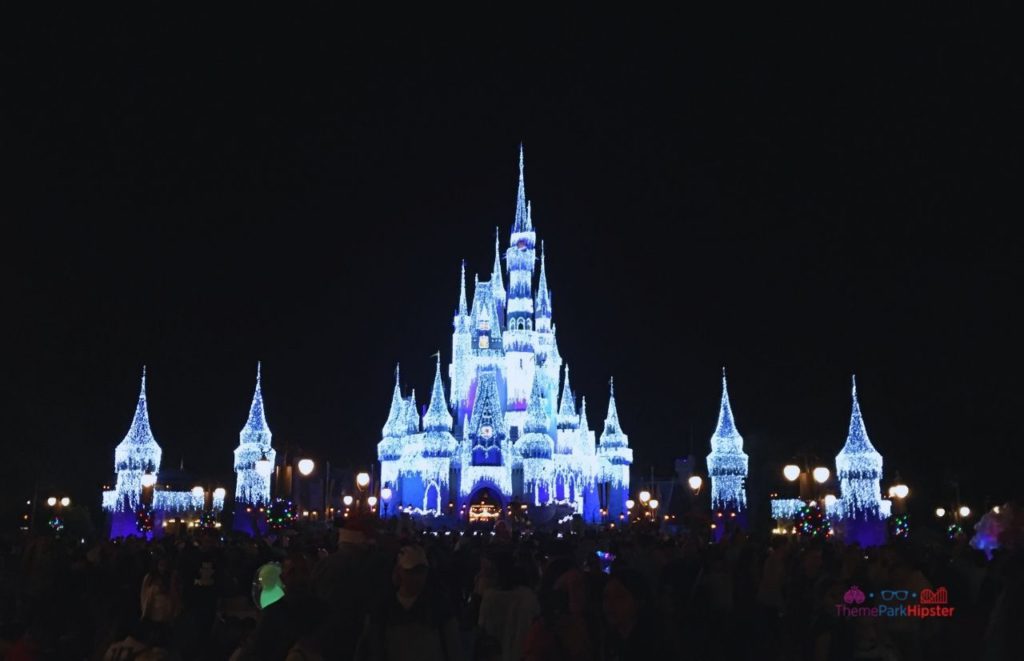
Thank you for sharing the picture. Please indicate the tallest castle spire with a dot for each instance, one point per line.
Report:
(522, 223)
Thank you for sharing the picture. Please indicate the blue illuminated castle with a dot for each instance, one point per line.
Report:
(503, 431)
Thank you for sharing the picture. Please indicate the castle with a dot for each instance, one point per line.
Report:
(503, 432)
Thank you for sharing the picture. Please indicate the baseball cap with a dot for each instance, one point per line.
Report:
(411, 557)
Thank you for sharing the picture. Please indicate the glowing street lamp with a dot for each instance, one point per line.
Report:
(363, 480)
(347, 500)
(51, 501)
(899, 491)
(306, 466)
(695, 483)
(372, 501)
(219, 493)
(385, 494)
(965, 511)
(653, 504)
(821, 474)
(830, 500)
(940, 512)
(791, 472)
(630, 504)
(264, 466)
(645, 496)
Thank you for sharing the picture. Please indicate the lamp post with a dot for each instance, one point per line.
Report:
(362, 482)
(57, 504)
(809, 479)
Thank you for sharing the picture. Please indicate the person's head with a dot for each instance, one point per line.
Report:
(626, 597)
(411, 570)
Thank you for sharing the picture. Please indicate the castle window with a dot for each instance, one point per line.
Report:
(485, 341)
(485, 325)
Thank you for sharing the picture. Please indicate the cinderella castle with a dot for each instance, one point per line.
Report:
(506, 430)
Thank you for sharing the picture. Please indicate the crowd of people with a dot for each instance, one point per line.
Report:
(391, 590)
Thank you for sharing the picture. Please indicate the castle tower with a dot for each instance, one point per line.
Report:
(461, 368)
(138, 453)
(618, 457)
(252, 479)
(727, 463)
(389, 449)
(520, 259)
(438, 448)
(860, 507)
(536, 447)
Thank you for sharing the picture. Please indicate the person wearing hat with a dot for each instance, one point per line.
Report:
(416, 621)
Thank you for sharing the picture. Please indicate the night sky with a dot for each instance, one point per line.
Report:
(797, 201)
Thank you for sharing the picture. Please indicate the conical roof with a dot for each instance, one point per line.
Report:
(437, 418)
(395, 425)
(256, 429)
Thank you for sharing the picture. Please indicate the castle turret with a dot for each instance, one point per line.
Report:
(138, 453)
(727, 463)
(438, 449)
(859, 469)
(536, 447)
(252, 485)
(617, 457)
(412, 415)
(568, 417)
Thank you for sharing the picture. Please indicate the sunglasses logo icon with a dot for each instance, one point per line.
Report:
(899, 595)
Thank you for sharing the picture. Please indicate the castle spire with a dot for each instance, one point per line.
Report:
(412, 415)
(857, 441)
(394, 427)
(437, 418)
(726, 425)
(522, 223)
(497, 285)
(567, 415)
(543, 304)
(611, 423)
(139, 433)
(585, 443)
(463, 306)
(256, 429)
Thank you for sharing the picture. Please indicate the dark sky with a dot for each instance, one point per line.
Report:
(795, 199)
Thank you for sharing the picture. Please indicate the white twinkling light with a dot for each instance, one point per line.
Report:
(859, 469)
(252, 486)
(137, 454)
(727, 463)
